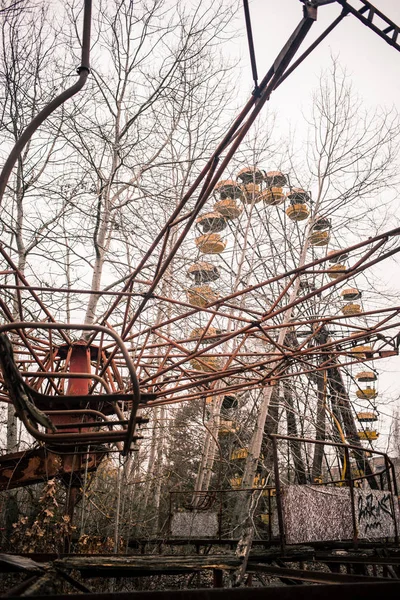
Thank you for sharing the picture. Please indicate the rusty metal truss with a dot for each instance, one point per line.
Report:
(84, 379)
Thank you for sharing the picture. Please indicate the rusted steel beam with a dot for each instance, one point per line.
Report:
(20, 469)
(300, 355)
(394, 311)
(383, 26)
(329, 443)
(263, 380)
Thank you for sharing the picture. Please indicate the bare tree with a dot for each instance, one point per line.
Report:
(27, 82)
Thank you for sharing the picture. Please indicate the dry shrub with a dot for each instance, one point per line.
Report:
(48, 531)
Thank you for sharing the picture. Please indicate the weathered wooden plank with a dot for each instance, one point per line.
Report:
(44, 585)
(141, 566)
(15, 563)
(312, 576)
(367, 559)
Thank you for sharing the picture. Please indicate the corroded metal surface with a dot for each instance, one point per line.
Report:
(38, 465)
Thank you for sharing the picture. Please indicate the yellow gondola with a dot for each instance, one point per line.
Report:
(201, 295)
(211, 363)
(367, 417)
(251, 193)
(367, 394)
(239, 454)
(336, 271)
(298, 196)
(351, 310)
(351, 294)
(297, 212)
(366, 376)
(210, 243)
(228, 189)
(360, 352)
(258, 481)
(227, 428)
(273, 196)
(319, 238)
(203, 272)
(250, 175)
(236, 482)
(275, 179)
(211, 222)
(368, 435)
(228, 208)
(211, 332)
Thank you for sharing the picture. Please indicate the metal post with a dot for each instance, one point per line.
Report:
(218, 578)
(278, 493)
(390, 488)
(169, 533)
(352, 500)
(269, 516)
(220, 515)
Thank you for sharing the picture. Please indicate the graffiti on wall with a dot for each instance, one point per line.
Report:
(316, 513)
(374, 514)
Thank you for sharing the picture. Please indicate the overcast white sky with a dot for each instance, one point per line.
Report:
(374, 68)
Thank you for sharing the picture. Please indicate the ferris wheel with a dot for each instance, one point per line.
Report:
(262, 307)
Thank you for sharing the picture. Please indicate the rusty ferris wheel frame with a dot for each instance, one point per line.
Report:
(96, 379)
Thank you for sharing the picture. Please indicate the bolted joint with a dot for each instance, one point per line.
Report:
(82, 68)
(310, 8)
